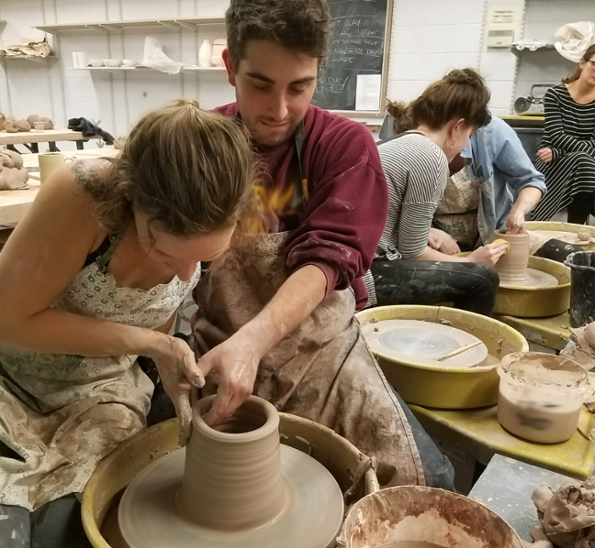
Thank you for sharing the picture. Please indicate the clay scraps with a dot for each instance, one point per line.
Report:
(12, 173)
(583, 353)
(567, 516)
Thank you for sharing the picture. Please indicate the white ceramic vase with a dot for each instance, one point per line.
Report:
(216, 56)
(204, 54)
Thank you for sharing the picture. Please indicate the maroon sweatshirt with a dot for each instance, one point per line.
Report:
(338, 225)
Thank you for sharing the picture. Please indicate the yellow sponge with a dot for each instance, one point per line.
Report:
(499, 240)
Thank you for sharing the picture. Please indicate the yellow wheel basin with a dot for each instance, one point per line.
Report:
(563, 227)
(114, 473)
(448, 387)
(524, 302)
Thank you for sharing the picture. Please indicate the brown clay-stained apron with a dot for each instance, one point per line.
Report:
(323, 370)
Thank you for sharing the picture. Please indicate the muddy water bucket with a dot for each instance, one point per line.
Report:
(413, 516)
(582, 287)
(541, 396)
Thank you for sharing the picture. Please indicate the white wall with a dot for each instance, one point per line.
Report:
(117, 100)
(429, 37)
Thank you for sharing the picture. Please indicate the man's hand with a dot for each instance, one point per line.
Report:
(443, 242)
(233, 364)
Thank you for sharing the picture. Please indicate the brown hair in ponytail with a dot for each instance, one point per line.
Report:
(577, 73)
(462, 93)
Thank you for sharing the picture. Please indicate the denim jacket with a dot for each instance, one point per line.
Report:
(501, 168)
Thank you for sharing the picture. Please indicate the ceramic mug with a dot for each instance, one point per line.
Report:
(50, 161)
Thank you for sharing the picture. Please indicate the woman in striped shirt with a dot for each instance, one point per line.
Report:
(567, 156)
(406, 270)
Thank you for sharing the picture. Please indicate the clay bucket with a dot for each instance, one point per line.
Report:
(424, 514)
(512, 267)
(232, 475)
(541, 396)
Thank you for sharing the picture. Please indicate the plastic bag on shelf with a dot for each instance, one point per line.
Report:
(156, 59)
(573, 39)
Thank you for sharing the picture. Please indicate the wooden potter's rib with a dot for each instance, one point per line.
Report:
(460, 350)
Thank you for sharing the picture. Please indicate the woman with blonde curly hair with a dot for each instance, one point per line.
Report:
(91, 279)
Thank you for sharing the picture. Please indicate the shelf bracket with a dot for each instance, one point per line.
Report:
(107, 28)
(168, 25)
(186, 25)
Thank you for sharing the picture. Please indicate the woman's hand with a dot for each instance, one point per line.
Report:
(489, 254)
(179, 372)
(233, 364)
(515, 222)
(443, 242)
(545, 155)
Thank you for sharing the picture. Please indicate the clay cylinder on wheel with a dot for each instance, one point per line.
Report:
(512, 267)
(232, 475)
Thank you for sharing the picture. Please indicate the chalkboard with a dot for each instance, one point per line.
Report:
(358, 45)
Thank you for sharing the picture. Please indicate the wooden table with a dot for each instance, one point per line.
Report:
(14, 203)
(33, 138)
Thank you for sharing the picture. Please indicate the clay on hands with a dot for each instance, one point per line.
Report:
(12, 173)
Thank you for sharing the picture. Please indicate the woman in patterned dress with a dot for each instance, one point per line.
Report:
(567, 153)
(90, 280)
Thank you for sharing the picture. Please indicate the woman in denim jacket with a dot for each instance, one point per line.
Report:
(508, 187)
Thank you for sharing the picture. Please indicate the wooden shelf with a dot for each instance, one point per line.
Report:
(117, 26)
(145, 69)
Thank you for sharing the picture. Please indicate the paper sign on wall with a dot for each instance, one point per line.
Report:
(503, 21)
(367, 92)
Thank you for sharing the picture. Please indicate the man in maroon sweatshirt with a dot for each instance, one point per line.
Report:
(277, 310)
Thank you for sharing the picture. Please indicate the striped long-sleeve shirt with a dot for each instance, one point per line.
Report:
(416, 171)
(569, 126)
(570, 134)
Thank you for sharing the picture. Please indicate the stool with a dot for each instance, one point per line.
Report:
(543, 334)
(475, 436)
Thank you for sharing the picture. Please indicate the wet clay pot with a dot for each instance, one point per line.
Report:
(235, 487)
(512, 267)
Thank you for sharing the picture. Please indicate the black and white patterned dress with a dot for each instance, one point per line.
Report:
(570, 133)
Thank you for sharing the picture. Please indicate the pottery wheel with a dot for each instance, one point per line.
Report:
(148, 516)
(568, 237)
(422, 343)
(535, 279)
